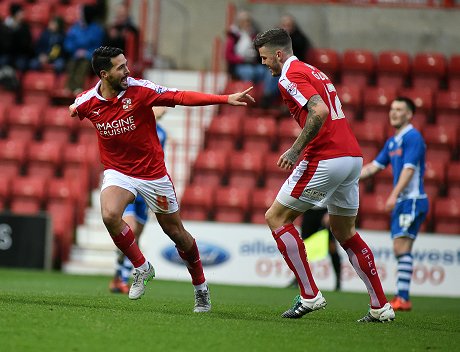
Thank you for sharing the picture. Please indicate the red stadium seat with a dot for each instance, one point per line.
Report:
(448, 106)
(197, 202)
(25, 206)
(231, 204)
(351, 99)
(289, 130)
(261, 200)
(440, 137)
(357, 67)
(5, 189)
(453, 173)
(245, 169)
(435, 172)
(372, 213)
(369, 153)
(70, 13)
(428, 70)
(423, 100)
(63, 224)
(37, 87)
(210, 167)
(259, 134)
(443, 155)
(62, 190)
(377, 102)
(13, 154)
(384, 176)
(28, 194)
(327, 60)
(447, 215)
(3, 119)
(453, 76)
(44, 158)
(24, 121)
(370, 132)
(224, 132)
(57, 126)
(274, 176)
(392, 69)
(37, 13)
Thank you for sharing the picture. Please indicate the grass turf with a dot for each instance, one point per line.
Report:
(42, 311)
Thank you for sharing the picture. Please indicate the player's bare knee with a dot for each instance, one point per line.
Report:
(110, 218)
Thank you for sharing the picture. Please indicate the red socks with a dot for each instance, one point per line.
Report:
(362, 259)
(126, 242)
(192, 259)
(292, 248)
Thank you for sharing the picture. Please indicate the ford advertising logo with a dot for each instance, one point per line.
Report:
(210, 254)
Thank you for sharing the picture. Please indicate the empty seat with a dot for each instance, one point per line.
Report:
(274, 176)
(428, 70)
(369, 153)
(224, 132)
(5, 189)
(24, 121)
(288, 131)
(372, 213)
(357, 67)
(69, 13)
(393, 68)
(37, 13)
(448, 106)
(63, 225)
(435, 174)
(26, 206)
(197, 202)
(261, 200)
(447, 215)
(441, 137)
(57, 125)
(231, 204)
(37, 86)
(351, 99)
(327, 60)
(210, 167)
(259, 134)
(13, 154)
(370, 133)
(453, 76)
(44, 158)
(377, 102)
(29, 187)
(245, 168)
(62, 190)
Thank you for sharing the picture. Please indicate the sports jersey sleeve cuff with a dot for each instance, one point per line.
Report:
(409, 166)
(376, 163)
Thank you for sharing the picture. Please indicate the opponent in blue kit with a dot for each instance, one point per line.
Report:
(136, 215)
(407, 201)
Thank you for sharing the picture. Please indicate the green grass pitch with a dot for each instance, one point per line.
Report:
(42, 311)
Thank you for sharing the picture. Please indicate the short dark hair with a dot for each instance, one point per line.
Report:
(273, 38)
(409, 102)
(101, 59)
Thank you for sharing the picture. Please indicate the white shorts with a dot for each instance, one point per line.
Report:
(332, 183)
(159, 195)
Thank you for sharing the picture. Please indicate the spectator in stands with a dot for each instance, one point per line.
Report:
(327, 175)
(17, 40)
(50, 47)
(116, 31)
(408, 202)
(81, 40)
(242, 60)
(301, 45)
(136, 216)
(134, 161)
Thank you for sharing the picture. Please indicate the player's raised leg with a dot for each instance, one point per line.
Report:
(188, 251)
(113, 202)
(280, 220)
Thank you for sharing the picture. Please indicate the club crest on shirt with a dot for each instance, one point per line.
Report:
(160, 89)
(126, 102)
(292, 88)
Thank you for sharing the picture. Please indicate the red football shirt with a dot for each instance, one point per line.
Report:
(126, 124)
(298, 83)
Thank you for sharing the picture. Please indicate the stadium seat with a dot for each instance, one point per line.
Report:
(261, 200)
(369, 153)
(370, 133)
(447, 215)
(37, 13)
(441, 137)
(24, 121)
(44, 158)
(210, 167)
(5, 189)
(453, 76)
(435, 174)
(57, 126)
(384, 176)
(377, 102)
(25, 206)
(231, 204)
(288, 131)
(62, 190)
(327, 60)
(27, 194)
(357, 67)
(259, 133)
(392, 68)
(372, 213)
(448, 107)
(351, 99)
(13, 154)
(428, 70)
(37, 87)
(197, 202)
(69, 13)
(224, 132)
(3, 119)
(63, 225)
(274, 176)
(245, 168)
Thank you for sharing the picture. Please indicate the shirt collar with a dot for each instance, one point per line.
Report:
(287, 64)
(100, 97)
(403, 132)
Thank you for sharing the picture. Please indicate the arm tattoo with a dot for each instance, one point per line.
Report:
(313, 124)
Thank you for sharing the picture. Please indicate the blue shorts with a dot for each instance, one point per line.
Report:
(138, 209)
(407, 217)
